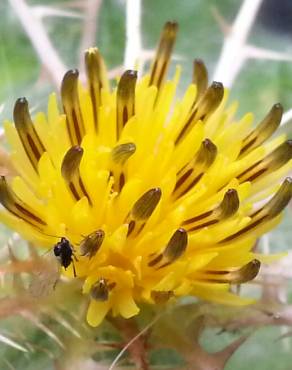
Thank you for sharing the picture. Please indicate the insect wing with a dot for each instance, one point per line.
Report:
(45, 277)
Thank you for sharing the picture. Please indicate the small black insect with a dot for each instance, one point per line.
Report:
(64, 252)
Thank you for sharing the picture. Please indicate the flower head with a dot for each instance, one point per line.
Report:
(156, 197)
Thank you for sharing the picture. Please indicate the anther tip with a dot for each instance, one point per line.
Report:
(131, 73)
(207, 142)
(156, 191)
(92, 50)
(278, 106)
(171, 24)
(77, 149)
(217, 85)
(198, 61)
(71, 73)
(22, 101)
(231, 192)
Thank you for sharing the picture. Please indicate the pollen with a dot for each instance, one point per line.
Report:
(160, 196)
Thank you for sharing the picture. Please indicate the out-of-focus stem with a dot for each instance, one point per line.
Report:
(233, 53)
(136, 341)
(133, 33)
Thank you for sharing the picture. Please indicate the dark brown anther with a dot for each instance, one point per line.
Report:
(210, 100)
(206, 154)
(100, 290)
(30, 140)
(161, 297)
(176, 245)
(125, 99)
(161, 61)
(145, 206)
(121, 153)
(245, 273)
(71, 105)
(229, 204)
(71, 162)
(91, 244)
(264, 130)
(280, 200)
(96, 77)
(200, 77)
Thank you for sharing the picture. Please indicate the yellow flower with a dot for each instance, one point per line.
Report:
(161, 197)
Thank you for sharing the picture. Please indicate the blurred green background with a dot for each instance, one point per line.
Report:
(259, 85)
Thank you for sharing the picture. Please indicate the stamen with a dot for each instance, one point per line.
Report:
(31, 142)
(200, 77)
(90, 245)
(121, 153)
(246, 273)
(125, 99)
(280, 200)
(96, 77)
(145, 206)
(71, 174)
(210, 100)
(227, 208)
(229, 204)
(190, 175)
(204, 108)
(15, 206)
(264, 130)
(270, 210)
(206, 154)
(163, 54)
(176, 245)
(100, 291)
(71, 105)
(271, 162)
(71, 162)
(161, 297)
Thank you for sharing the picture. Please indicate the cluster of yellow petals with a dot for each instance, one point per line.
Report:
(173, 191)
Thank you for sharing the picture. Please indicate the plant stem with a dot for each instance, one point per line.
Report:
(136, 341)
